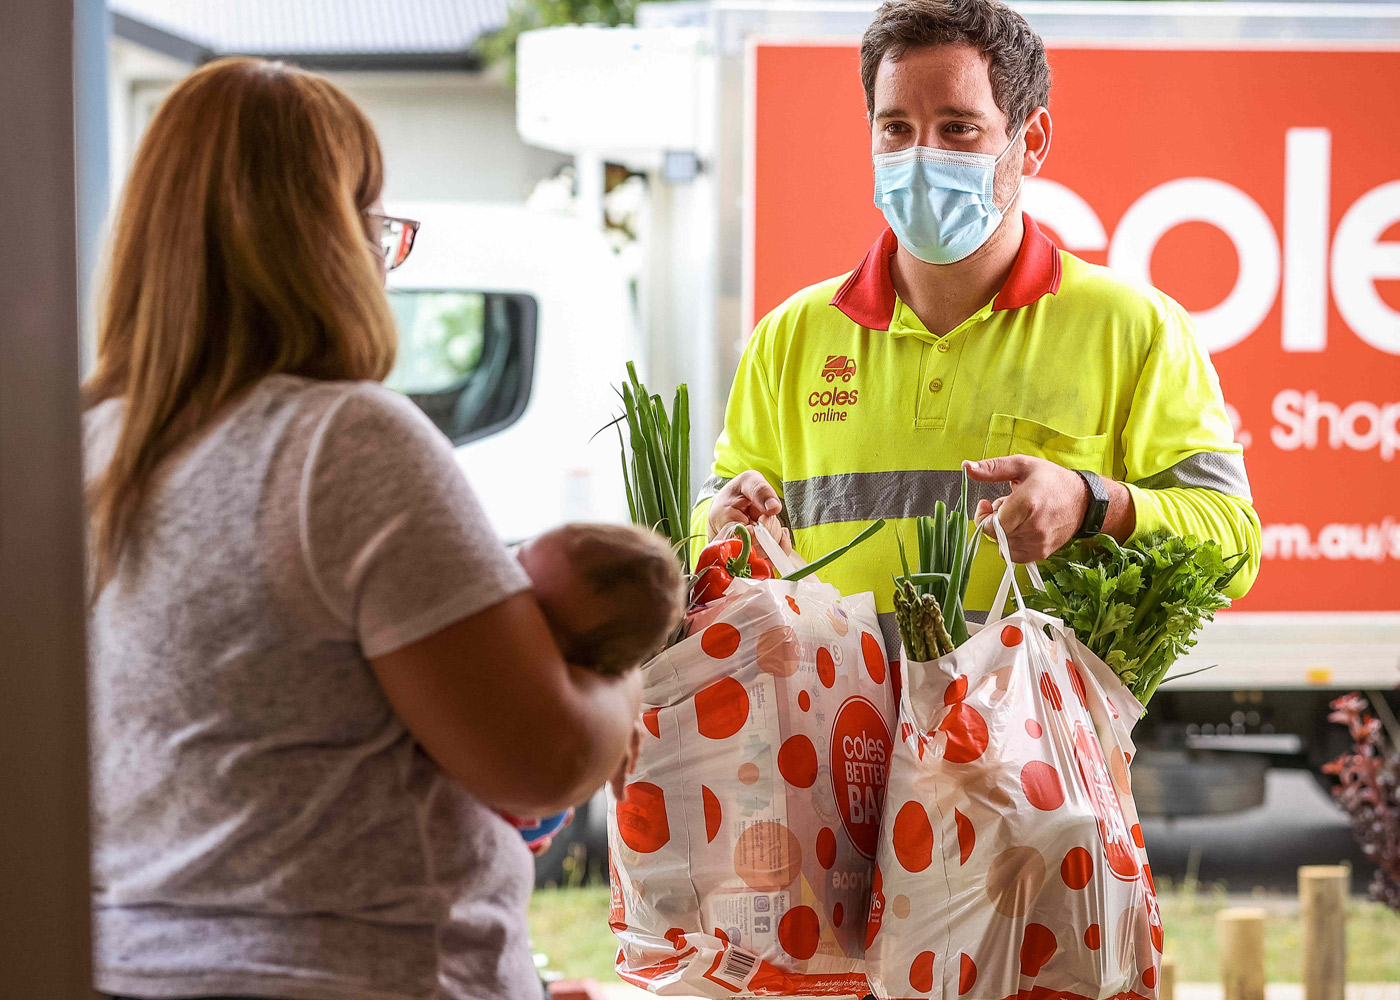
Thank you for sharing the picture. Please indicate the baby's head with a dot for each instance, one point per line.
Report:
(611, 593)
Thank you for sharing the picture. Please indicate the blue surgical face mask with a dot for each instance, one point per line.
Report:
(939, 201)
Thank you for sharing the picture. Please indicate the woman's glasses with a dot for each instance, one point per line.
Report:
(395, 237)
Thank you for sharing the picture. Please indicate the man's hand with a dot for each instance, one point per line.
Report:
(618, 781)
(747, 499)
(1046, 505)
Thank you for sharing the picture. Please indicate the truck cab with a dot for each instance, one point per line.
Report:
(513, 327)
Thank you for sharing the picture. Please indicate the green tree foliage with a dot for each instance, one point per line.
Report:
(526, 15)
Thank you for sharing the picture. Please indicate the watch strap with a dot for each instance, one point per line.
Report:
(1097, 510)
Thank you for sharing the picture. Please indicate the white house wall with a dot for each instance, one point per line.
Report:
(446, 136)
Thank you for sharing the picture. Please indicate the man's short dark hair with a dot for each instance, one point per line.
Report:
(1019, 72)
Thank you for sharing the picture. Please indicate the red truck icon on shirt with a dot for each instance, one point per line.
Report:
(838, 366)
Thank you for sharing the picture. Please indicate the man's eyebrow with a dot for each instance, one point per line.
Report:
(947, 111)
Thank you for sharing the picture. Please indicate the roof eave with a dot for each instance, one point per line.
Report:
(194, 53)
(160, 40)
(373, 61)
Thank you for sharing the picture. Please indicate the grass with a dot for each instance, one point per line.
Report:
(1188, 916)
(570, 926)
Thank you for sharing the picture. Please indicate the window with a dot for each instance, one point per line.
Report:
(466, 358)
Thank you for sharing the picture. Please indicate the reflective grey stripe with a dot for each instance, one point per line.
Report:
(865, 496)
(710, 487)
(1207, 470)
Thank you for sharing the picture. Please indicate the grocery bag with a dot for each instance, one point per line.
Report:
(742, 856)
(1011, 862)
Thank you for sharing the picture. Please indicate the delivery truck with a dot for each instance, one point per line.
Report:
(1242, 157)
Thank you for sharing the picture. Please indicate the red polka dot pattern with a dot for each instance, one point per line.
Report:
(1038, 946)
(1137, 835)
(1051, 690)
(956, 691)
(913, 837)
(720, 640)
(873, 656)
(967, 974)
(793, 604)
(722, 708)
(1091, 937)
(921, 972)
(1077, 868)
(826, 848)
(804, 701)
(641, 818)
(877, 908)
(967, 836)
(1149, 977)
(677, 938)
(797, 761)
(651, 720)
(778, 651)
(1041, 783)
(1034, 729)
(713, 813)
(1011, 636)
(826, 667)
(967, 734)
(1076, 681)
(838, 914)
(799, 931)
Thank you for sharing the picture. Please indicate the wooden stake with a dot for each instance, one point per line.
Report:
(1167, 989)
(1322, 893)
(1240, 933)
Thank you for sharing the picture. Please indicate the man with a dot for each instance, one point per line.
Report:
(1076, 400)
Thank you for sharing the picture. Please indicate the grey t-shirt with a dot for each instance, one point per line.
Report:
(265, 824)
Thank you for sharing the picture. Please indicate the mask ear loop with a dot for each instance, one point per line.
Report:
(1020, 132)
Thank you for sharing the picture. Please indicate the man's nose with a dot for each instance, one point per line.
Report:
(929, 135)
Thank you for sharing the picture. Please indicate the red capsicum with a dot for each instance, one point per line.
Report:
(722, 561)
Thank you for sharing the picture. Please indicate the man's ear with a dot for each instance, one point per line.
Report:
(1038, 133)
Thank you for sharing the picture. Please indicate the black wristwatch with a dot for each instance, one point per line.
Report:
(1097, 510)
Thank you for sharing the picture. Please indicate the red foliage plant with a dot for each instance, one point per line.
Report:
(1369, 793)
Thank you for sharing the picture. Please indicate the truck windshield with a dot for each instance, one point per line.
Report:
(465, 357)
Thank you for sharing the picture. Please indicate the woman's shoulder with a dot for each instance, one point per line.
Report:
(343, 407)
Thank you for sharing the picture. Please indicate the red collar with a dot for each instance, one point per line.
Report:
(867, 297)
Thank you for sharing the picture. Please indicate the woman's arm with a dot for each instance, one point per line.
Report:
(495, 705)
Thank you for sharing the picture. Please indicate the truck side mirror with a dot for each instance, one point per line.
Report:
(466, 358)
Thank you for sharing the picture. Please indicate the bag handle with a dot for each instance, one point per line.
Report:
(1009, 585)
(785, 564)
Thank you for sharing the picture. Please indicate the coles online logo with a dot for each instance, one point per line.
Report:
(828, 404)
(860, 754)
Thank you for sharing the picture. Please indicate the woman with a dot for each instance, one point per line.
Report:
(302, 626)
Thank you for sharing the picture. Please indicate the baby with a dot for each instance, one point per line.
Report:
(612, 595)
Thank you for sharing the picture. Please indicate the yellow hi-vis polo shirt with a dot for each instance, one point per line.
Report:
(854, 411)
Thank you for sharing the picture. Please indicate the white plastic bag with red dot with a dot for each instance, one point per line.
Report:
(742, 856)
(1011, 862)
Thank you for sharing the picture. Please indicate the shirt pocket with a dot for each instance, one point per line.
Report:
(1012, 435)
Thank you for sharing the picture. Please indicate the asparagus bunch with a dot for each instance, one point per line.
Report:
(921, 624)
